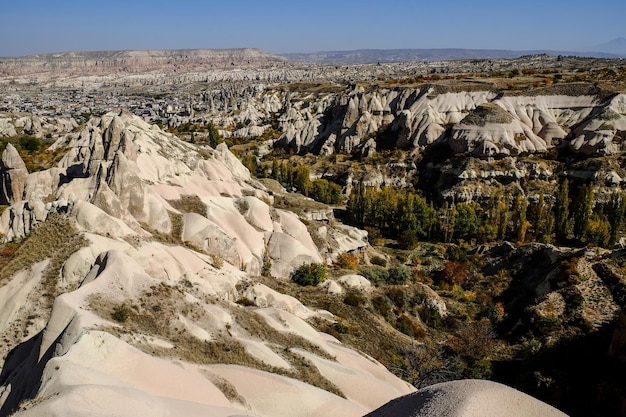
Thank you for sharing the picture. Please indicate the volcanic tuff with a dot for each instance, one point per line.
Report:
(106, 62)
(144, 257)
(178, 261)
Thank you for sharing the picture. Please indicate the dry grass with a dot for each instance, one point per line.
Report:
(56, 238)
(152, 315)
(189, 204)
(228, 389)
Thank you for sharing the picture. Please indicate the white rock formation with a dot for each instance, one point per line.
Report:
(125, 185)
(468, 398)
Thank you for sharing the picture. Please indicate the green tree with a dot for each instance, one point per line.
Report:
(213, 135)
(325, 191)
(582, 210)
(357, 205)
(467, 223)
(616, 217)
(561, 210)
(521, 223)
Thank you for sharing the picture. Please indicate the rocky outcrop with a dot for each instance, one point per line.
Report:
(13, 174)
(479, 123)
(604, 131)
(181, 232)
(124, 171)
(466, 399)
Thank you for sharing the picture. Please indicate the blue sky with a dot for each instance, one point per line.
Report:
(40, 26)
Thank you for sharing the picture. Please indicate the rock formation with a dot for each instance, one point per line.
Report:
(173, 234)
(13, 174)
(468, 398)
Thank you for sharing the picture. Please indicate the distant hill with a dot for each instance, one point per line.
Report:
(617, 47)
(363, 56)
(136, 61)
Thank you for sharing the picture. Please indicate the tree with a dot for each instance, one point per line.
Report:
(561, 210)
(597, 231)
(521, 224)
(466, 224)
(325, 191)
(214, 136)
(502, 215)
(582, 210)
(250, 162)
(357, 205)
(616, 217)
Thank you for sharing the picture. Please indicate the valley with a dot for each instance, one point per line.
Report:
(450, 220)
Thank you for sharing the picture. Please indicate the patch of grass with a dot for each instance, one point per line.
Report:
(144, 318)
(228, 389)
(56, 238)
(189, 204)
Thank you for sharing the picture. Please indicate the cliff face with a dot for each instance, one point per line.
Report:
(134, 62)
(481, 124)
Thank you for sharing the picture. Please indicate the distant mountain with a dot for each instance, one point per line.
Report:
(617, 47)
(363, 56)
(136, 61)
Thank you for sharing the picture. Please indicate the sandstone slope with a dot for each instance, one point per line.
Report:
(122, 301)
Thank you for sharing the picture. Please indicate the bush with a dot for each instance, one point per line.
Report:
(309, 274)
(408, 326)
(347, 261)
(375, 274)
(354, 299)
(121, 313)
(399, 275)
(29, 143)
(377, 260)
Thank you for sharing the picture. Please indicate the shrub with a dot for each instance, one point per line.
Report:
(383, 306)
(354, 299)
(377, 260)
(309, 274)
(29, 143)
(453, 272)
(121, 313)
(399, 275)
(375, 274)
(347, 261)
(409, 327)
(399, 296)
(408, 239)
(218, 261)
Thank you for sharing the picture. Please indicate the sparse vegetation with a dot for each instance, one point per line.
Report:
(55, 239)
(309, 274)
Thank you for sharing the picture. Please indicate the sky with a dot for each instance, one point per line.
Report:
(41, 26)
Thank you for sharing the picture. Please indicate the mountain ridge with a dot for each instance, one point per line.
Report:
(363, 56)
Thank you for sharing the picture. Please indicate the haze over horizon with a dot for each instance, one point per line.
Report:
(279, 26)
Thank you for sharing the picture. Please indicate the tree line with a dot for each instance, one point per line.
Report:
(409, 217)
(298, 177)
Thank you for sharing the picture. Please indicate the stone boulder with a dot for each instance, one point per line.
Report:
(13, 174)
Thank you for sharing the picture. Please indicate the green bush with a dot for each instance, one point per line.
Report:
(399, 275)
(309, 274)
(29, 143)
(121, 313)
(375, 274)
(377, 260)
(354, 299)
